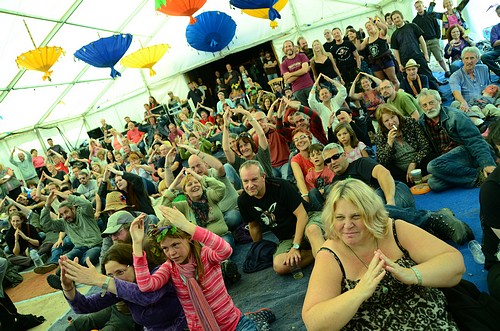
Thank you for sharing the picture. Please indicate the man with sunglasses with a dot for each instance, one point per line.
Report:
(398, 199)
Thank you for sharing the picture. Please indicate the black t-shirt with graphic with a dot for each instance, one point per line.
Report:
(275, 209)
(344, 54)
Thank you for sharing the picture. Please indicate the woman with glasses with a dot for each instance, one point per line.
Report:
(401, 144)
(157, 310)
(300, 163)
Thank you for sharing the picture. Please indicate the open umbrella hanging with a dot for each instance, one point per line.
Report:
(40, 58)
(145, 58)
(212, 32)
(180, 7)
(267, 12)
(105, 52)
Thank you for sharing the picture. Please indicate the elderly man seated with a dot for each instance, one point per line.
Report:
(470, 80)
(465, 158)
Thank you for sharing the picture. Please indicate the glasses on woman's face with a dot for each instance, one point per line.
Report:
(332, 158)
(118, 272)
(302, 137)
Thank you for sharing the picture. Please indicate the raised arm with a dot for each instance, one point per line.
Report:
(226, 147)
(258, 129)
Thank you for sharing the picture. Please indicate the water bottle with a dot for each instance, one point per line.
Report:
(477, 252)
(37, 260)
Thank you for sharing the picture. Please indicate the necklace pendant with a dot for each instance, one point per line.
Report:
(385, 290)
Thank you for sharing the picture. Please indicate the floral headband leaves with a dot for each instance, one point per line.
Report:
(164, 230)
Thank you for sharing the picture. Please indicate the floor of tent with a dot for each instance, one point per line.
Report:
(283, 294)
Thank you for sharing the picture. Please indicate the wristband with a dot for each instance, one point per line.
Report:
(105, 286)
(71, 289)
(418, 275)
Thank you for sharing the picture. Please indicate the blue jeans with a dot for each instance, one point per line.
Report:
(233, 219)
(410, 215)
(302, 95)
(228, 237)
(233, 176)
(282, 172)
(455, 168)
(57, 252)
(490, 58)
(83, 252)
(246, 324)
(402, 196)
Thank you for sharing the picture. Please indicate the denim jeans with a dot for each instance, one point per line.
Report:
(490, 58)
(233, 219)
(410, 215)
(455, 168)
(57, 252)
(233, 176)
(246, 324)
(302, 95)
(228, 237)
(83, 252)
(272, 76)
(283, 172)
(403, 196)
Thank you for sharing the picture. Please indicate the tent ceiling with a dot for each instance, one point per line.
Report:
(76, 88)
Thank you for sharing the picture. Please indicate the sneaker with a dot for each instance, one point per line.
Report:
(262, 318)
(46, 268)
(54, 282)
(444, 225)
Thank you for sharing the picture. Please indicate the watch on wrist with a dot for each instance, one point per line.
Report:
(296, 246)
(105, 286)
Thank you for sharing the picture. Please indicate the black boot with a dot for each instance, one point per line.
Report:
(444, 225)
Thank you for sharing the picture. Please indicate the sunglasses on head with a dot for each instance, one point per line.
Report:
(332, 158)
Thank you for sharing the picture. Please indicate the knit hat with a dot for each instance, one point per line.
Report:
(115, 201)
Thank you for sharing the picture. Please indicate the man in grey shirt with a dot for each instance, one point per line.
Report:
(88, 187)
(25, 165)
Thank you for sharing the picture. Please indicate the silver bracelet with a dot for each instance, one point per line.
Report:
(418, 275)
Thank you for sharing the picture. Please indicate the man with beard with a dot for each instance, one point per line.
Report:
(465, 158)
(88, 187)
(275, 203)
(403, 102)
(77, 221)
(398, 199)
(413, 83)
(295, 70)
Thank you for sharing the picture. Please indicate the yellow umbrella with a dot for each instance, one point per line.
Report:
(264, 12)
(40, 59)
(145, 57)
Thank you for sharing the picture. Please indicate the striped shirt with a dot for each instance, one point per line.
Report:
(214, 251)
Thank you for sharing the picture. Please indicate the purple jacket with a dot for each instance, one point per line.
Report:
(156, 311)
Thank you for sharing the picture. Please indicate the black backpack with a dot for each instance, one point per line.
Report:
(259, 256)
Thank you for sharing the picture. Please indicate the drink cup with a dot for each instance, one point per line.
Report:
(416, 174)
(296, 271)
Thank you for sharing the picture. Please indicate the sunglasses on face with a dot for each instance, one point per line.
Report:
(332, 158)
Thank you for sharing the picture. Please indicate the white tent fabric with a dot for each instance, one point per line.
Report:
(79, 95)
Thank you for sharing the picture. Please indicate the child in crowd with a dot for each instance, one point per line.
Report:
(193, 262)
(319, 178)
(353, 148)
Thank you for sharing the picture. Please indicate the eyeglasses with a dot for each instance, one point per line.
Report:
(118, 272)
(302, 137)
(332, 158)
(117, 233)
(300, 120)
(245, 134)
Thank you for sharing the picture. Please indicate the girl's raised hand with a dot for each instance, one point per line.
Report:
(177, 218)
(137, 229)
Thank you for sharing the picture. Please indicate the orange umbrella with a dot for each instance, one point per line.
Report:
(180, 7)
(40, 59)
(145, 57)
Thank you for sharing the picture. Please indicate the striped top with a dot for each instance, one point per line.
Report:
(214, 251)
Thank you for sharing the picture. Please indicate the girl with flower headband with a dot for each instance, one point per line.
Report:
(193, 262)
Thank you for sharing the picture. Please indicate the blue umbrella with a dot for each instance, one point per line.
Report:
(212, 32)
(105, 52)
(258, 4)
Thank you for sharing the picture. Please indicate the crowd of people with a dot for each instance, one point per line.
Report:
(323, 160)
